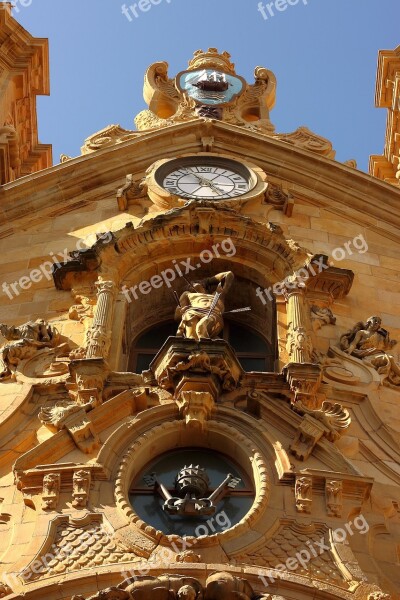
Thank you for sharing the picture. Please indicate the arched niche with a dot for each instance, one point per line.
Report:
(197, 242)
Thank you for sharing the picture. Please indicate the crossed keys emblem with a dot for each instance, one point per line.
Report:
(193, 494)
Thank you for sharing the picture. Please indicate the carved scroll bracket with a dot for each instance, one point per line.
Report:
(331, 421)
(305, 380)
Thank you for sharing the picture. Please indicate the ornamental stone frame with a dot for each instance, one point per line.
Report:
(127, 258)
(220, 437)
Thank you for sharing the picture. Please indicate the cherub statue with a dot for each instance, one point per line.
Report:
(201, 311)
(371, 343)
(24, 341)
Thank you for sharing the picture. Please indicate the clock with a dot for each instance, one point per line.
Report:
(205, 177)
(171, 182)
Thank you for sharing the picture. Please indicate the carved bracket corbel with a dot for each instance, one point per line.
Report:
(43, 485)
(303, 494)
(304, 380)
(80, 488)
(279, 198)
(331, 421)
(334, 497)
(195, 407)
(133, 191)
(88, 376)
(309, 433)
(82, 431)
(51, 491)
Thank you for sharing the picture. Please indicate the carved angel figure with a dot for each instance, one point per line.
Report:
(201, 311)
(371, 343)
(24, 341)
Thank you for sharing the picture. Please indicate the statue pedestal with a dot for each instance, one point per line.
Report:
(185, 364)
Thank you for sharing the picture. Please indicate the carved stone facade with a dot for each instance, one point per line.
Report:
(196, 406)
(24, 73)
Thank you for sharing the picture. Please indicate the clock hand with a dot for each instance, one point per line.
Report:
(206, 182)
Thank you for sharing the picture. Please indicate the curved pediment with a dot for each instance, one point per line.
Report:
(82, 180)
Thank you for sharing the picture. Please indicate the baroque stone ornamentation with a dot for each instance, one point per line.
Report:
(298, 344)
(209, 364)
(309, 433)
(82, 311)
(280, 199)
(109, 136)
(80, 488)
(304, 380)
(303, 494)
(175, 430)
(99, 334)
(188, 556)
(51, 491)
(332, 415)
(192, 485)
(54, 416)
(132, 192)
(331, 421)
(295, 537)
(72, 480)
(218, 586)
(82, 432)
(195, 407)
(321, 316)
(88, 377)
(169, 105)
(372, 344)
(333, 493)
(307, 140)
(83, 543)
(23, 342)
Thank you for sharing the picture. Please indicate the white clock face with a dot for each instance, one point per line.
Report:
(206, 181)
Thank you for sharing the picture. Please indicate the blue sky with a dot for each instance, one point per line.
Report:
(323, 53)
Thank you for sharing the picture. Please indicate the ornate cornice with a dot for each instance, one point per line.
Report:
(115, 256)
(326, 184)
(387, 166)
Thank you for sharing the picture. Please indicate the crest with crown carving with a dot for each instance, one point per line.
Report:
(209, 88)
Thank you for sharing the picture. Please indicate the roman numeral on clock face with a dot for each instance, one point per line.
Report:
(189, 179)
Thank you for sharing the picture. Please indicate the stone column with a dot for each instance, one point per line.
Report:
(99, 335)
(298, 343)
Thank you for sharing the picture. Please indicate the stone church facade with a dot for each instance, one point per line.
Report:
(199, 375)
